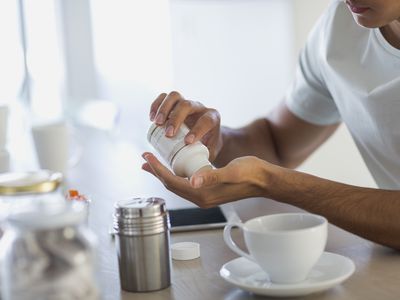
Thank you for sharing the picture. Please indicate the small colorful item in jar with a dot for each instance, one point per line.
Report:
(75, 196)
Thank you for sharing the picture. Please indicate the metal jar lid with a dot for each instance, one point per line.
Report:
(140, 216)
(22, 183)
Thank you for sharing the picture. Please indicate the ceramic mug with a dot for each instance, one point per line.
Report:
(286, 246)
(56, 146)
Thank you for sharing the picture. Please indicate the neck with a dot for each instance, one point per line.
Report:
(391, 32)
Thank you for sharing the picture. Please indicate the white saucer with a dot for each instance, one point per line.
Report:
(330, 270)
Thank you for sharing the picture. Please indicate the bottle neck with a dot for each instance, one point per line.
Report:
(198, 162)
(190, 159)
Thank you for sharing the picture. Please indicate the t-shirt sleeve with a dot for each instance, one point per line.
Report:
(308, 97)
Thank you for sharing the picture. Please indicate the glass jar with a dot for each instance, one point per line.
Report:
(18, 189)
(48, 254)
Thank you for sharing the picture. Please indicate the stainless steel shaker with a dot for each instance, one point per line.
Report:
(141, 227)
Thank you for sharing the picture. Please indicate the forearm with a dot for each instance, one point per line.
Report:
(254, 139)
(281, 138)
(370, 213)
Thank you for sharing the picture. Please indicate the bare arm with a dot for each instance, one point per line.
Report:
(281, 138)
(369, 213)
(284, 140)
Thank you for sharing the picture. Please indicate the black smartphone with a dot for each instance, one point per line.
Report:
(187, 219)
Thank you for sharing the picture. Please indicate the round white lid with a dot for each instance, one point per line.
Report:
(185, 250)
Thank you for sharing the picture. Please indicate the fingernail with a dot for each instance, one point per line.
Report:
(152, 115)
(190, 138)
(170, 131)
(160, 119)
(198, 182)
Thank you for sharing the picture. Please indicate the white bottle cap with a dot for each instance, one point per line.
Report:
(190, 159)
(185, 250)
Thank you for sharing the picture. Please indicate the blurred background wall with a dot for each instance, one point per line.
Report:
(239, 56)
(235, 55)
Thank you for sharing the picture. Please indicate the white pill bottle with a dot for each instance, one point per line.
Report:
(184, 159)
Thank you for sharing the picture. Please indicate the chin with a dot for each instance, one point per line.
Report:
(366, 22)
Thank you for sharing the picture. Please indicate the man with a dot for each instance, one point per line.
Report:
(349, 71)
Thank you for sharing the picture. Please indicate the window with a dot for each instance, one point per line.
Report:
(11, 54)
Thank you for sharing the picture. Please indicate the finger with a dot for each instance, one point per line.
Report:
(204, 125)
(166, 106)
(147, 168)
(154, 163)
(175, 184)
(155, 105)
(144, 154)
(208, 178)
(163, 173)
(179, 113)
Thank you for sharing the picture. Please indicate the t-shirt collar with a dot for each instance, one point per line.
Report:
(384, 43)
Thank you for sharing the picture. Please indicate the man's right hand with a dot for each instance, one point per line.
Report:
(172, 110)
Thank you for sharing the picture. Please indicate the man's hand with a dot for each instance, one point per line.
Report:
(370, 213)
(204, 123)
(242, 178)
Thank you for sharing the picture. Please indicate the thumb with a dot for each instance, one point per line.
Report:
(206, 178)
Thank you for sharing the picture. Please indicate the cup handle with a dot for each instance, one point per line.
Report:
(231, 244)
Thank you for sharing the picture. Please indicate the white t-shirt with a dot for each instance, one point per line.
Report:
(352, 74)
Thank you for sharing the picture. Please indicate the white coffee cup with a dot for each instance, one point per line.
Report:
(286, 246)
(54, 146)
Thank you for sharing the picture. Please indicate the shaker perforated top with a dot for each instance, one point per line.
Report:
(140, 207)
